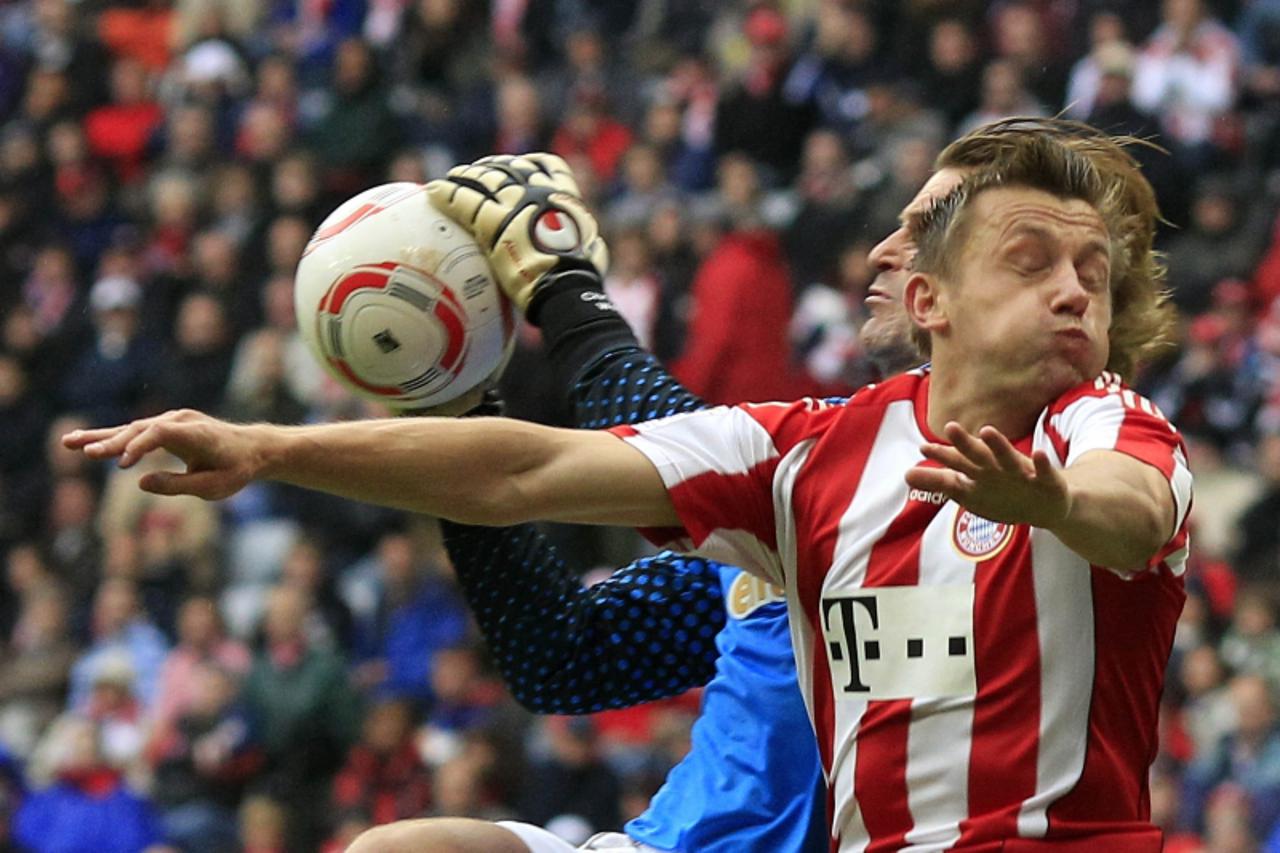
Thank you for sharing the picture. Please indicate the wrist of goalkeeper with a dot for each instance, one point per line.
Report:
(568, 298)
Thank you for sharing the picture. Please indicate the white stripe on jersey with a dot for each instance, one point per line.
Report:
(881, 495)
(784, 510)
(729, 441)
(1181, 486)
(939, 744)
(1064, 620)
(1105, 415)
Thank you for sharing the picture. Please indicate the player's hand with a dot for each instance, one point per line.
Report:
(220, 458)
(990, 477)
(527, 213)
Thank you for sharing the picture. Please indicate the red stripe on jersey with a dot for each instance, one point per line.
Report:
(1148, 437)
(880, 774)
(1002, 758)
(623, 431)
(1133, 634)
(1177, 543)
(715, 501)
(1060, 445)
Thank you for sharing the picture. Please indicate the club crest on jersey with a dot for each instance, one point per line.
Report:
(555, 231)
(978, 538)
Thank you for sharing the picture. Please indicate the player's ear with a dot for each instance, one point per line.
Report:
(925, 307)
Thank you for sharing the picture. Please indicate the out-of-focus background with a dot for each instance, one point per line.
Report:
(281, 670)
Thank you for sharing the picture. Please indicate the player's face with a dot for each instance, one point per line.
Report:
(886, 336)
(1031, 295)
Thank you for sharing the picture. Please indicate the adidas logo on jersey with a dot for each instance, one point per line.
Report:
(935, 498)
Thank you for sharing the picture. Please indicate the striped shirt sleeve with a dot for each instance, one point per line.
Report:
(1117, 418)
(718, 466)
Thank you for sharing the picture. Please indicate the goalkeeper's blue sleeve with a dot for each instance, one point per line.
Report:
(628, 386)
(645, 633)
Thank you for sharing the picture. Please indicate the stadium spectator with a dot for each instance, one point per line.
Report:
(1188, 73)
(1221, 223)
(572, 783)
(952, 74)
(1019, 35)
(834, 74)
(1251, 644)
(1106, 33)
(412, 614)
(202, 640)
(1257, 557)
(305, 712)
(120, 131)
(1004, 94)
(383, 779)
(758, 114)
(357, 132)
(633, 285)
(35, 670)
(1248, 758)
(112, 377)
(121, 632)
(202, 758)
(736, 345)
(87, 806)
(591, 131)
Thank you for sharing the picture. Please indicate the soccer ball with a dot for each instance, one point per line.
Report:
(398, 303)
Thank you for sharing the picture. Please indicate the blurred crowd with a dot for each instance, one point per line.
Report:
(280, 670)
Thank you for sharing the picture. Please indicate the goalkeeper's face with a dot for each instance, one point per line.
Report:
(886, 336)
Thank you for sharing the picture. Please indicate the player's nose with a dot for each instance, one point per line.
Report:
(1070, 295)
(891, 252)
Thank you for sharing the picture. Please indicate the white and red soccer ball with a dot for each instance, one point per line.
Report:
(398, 303)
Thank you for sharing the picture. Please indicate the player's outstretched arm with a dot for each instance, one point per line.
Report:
(1108, 507)
(482, 471)
(645, 633)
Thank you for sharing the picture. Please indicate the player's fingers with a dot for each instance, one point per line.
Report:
(118, 439)
(79, 438)
(955, 485)
(493, 220)
(481, 179)
(950, 457)
(555, 172)
(1045, 470)
(153, 437)
(1006, 455)
(974, 449)
(210, 485)
(460, 202)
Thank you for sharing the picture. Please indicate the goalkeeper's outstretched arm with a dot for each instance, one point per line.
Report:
(645, 633)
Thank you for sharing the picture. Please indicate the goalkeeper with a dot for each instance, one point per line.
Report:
(747, 783)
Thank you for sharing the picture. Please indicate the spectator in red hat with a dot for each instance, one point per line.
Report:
(757, 114)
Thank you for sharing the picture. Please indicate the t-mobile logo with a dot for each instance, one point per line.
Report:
(900, 642)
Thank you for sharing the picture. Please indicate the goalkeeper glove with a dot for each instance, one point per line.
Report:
(526, 213)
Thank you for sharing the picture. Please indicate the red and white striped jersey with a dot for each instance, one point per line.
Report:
(971, 682)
